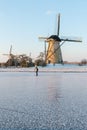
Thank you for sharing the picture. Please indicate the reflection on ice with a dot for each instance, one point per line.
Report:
(49, 101)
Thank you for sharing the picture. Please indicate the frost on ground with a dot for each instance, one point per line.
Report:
(48, 68)
(50, 101)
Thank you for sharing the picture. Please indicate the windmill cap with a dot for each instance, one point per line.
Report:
(55, 37)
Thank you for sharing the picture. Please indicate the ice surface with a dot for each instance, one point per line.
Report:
(49, 101)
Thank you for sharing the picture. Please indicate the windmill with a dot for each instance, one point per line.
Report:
(10, 56)
(10, 53)
(53, 53)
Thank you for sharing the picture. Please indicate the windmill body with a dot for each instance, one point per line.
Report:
(54, 54)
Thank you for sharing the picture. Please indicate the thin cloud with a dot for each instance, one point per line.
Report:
(49, 12)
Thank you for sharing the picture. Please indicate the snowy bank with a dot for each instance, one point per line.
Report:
(48, 68)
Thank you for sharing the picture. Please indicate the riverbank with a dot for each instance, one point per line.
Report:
(48, 68)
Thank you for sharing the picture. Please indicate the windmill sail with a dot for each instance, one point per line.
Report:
(71, 39)
(58, 25)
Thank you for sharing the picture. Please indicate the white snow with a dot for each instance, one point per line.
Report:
(48, 68)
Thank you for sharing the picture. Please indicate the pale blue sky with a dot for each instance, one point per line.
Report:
(23, 21)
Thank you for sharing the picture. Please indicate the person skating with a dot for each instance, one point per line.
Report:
(36, 70)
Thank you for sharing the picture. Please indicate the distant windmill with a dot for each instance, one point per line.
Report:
(10, 56)
(10, 53)
(53, 53)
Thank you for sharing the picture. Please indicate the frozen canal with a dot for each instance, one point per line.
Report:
(50, 101)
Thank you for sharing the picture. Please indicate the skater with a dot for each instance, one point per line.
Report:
(36, 70)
